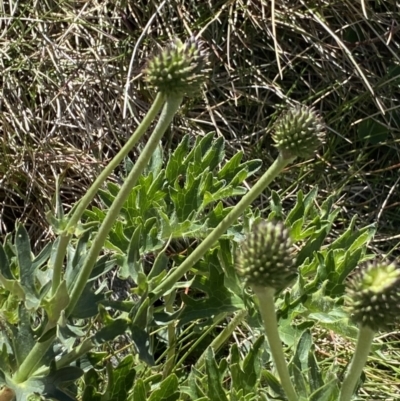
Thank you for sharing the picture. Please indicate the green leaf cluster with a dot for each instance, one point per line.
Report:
(182, 198)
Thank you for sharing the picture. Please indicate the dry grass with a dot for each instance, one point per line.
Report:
(65, 65)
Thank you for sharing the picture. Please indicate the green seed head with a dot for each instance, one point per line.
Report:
(265, 259)
(179, 69)
(299, 132)
(373, 296)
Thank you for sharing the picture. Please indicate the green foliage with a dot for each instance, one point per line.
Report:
(181, 200)
(30, 314)
(315, 296)
(178, 201)
(169, 229)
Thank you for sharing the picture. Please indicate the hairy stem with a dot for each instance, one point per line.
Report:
(171, 106)
(66, 360)
(265, 296)
(363, 347)
(32, 361)
(83, 203)
(274, 170)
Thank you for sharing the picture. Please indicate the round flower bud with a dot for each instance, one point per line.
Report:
(373, 296)
(299, 132)
(179, 69)
(265, 256)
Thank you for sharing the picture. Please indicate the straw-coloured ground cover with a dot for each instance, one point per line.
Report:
(71, 93)
(65, 109)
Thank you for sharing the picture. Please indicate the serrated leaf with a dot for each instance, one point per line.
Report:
(26, 268)
(167, 391)
(234, 354)
(276, 205)
(228, 171)
(141, 339)
(131, 265)
(160, 265)
(95, 214)
(214, 155)
(354, 237)
(313, 244)
(139, 391)
(201, 147)
(120, 380)
(225, 257)
(238, 178)
(222, 194)
(314, 375)
(110, 331)
(139, 313)
(187, 200)
(175, 165)
(13, 286)
(103, 265)
(90, 393)
(298, 379)
(273, 382)
(215, 389)
(252, 364)
(57, 224)
(57, 303)
(194, 390)
(297, 211)
(106, 197)
(5, 265)
(219, 299)
(7, 365)
(302, 349)
(43, 256)
(350, 262)
(113, 189)
(118, 237)
(76, 258)
(24, 339)
(155, 163)
(155, 190)
(327, 392)
(87, 305)
(150, 240)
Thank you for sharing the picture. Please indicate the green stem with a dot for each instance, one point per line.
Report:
(63, 241)
(75, 353)
(171, 106)
(195, 345)
(34, 358)
(224, 336)
(66, 360)
(265, 296)
(274, 170)
(92, 191)
(363, 347)
(32, 361)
